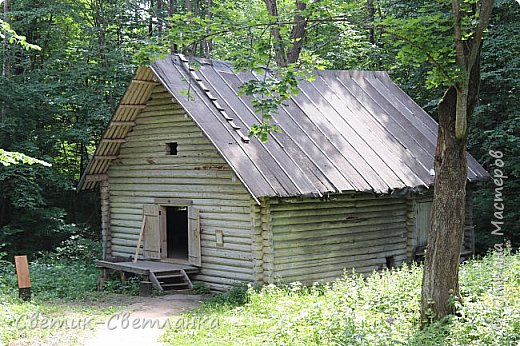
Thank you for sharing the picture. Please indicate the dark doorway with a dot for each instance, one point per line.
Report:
(177, 232)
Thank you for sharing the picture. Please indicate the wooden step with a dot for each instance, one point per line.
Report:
(178, 285)
(169, 276)
(170, 280)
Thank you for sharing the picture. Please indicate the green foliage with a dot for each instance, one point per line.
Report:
(236, 296)
(7, 33)
(130, 287)
(382, 309)
(8, 158)
(63, 287)
(27, 223)
(496, 125)
(68, 272)
(200, 287)
(75, 248)
(55, 103)
(241, 32)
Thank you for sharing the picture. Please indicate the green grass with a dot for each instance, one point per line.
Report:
(382, 309)
(63, 289)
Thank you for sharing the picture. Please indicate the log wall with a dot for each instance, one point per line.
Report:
(468, 243)
(106, 235)
(144, 172)
(317, 240)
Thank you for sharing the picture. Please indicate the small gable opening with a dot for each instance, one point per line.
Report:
(171, 148)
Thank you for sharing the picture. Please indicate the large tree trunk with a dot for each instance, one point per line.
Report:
(441, 268)
(440, 286)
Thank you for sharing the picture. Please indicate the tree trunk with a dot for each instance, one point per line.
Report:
(5, 63)
(441, 268)
(279, 47)
(371, 18)
(298, 33)
(5, 67)
(440, 286)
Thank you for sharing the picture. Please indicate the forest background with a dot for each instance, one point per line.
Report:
(55, 102)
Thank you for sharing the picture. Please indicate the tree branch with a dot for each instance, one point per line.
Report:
(279, 49)
(431, 59)
(457, 27)
(486, 8)
(298, 33)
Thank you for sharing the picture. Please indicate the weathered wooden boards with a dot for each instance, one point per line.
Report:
(140, 239)
(314, 239)
(121, 123)
(145, 175)
(343, 131)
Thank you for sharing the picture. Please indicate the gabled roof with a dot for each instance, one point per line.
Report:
(344, 131)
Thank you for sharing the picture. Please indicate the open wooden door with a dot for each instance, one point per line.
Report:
(194, 253)
(422, 222)
(152, 235)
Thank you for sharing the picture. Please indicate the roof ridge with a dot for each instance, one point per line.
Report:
(193, 74)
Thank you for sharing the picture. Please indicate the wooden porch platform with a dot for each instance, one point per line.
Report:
(143, 267)
(162, 275)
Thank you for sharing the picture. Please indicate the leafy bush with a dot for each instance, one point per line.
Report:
(382, 309)
(200, 287)
(131, 286)
(67, 273)
(76, 248)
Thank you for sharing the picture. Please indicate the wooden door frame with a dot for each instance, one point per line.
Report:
(163, 203)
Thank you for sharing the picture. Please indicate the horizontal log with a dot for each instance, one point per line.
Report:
(312, 204)
(124, 251)
(105, 157)
(236, 267)
(330, 225)
(166, 171)
(96, 177)
(214, 281)
(132, 106)
(287, 257)
(159, 148)
(198, 199)
(178, 190)
(221, 276)
(228, 245)
(340, 210)
(160, 105)
(324, 277)
(182, 156)
(199, 163)
(127, 236)
(340, 261)
(160, 93)
(230, 254)
(228, 261)
(180, 125)
(148, 114)
(347, 216)
(315, 251)
(339, 238)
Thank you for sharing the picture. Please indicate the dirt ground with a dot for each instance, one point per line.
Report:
(142, 321)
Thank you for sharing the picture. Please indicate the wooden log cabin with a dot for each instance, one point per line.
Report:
(347, 183)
